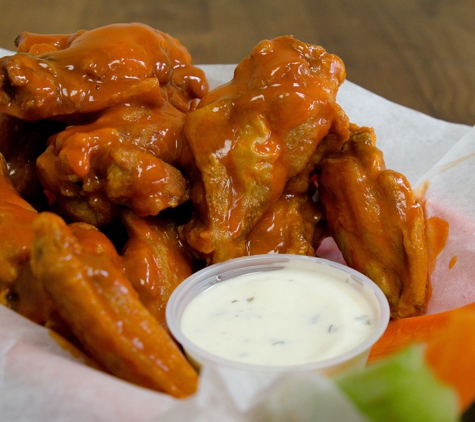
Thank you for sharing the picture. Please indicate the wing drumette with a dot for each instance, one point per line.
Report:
(250, 136)
(376, 221)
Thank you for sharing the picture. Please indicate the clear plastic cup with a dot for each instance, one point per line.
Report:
(206, 278)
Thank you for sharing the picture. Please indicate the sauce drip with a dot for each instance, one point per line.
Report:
(437, 232)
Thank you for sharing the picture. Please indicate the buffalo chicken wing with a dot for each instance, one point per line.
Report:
(154, 260)
(251, 136)
(61, 76)
(104, 311)
(123, 91)
(376, 221)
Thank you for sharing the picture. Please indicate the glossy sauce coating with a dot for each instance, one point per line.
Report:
(86, 72)
(123, 91)
(131, 155)
(251, 136)
(377, 222)
(104, 312)
(154, 260)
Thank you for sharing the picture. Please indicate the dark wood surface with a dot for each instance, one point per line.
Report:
(420, 53)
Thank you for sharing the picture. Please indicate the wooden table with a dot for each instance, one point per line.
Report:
(417, 53)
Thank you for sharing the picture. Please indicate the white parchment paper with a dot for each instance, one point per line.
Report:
(39, 381)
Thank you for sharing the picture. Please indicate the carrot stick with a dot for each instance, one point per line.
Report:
(450, 346)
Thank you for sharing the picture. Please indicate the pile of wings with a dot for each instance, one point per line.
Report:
(122, 173)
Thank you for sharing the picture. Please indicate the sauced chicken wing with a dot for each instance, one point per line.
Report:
(289, 226)
(104, 312)
(27, 295)
(131, 155)
(250, 136)
(154, 260)
(20, 290)
(376, 222)
(124, 91)
(60, 76)
(21, 143)
(16, 216)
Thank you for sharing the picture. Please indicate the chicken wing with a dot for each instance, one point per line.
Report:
(16, 216)
(131, 155)
(252, 135)
(21, 143)
(124, 91)
(104, 312)
(154, 260)
(376, 221)
(61, 76)
(287, 227)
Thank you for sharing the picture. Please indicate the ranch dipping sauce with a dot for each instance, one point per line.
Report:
(285, 314)
(283, 317)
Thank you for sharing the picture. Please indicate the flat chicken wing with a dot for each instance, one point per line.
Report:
(61, 76)
(250, 136)
(376, 221)
(105, 313)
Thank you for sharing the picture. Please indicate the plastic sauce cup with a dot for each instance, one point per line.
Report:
(278, 312)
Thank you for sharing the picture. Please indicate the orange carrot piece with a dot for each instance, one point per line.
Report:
(401, 333)
(450, 346)
(452, 354)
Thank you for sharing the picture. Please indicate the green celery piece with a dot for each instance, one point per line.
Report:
(401, 388)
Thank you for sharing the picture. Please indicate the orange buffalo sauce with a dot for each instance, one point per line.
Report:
(254, 140)
(437, 232)
(86, 72)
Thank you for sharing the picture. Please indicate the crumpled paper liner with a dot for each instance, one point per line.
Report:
(449, 188)
(41, 381)
(243, 397)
